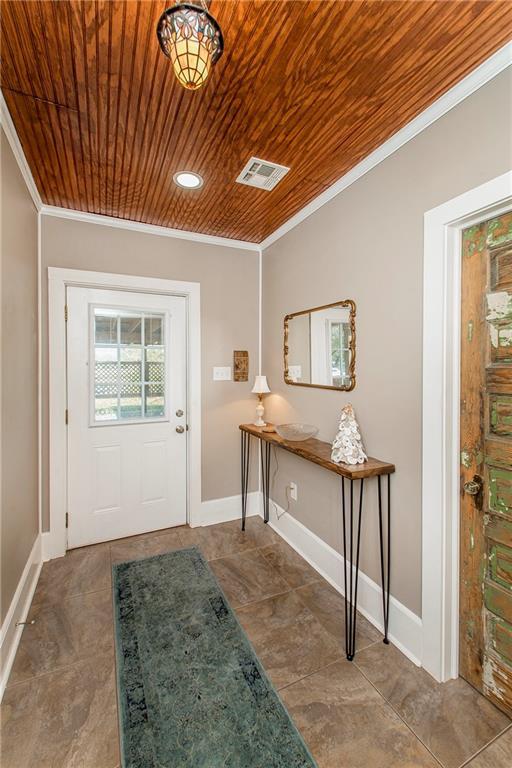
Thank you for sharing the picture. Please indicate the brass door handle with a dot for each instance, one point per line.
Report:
(474, 486)
(180, 430)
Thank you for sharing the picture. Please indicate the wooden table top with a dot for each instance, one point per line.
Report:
(319, 452)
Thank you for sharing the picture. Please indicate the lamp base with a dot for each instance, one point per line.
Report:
(260, 410)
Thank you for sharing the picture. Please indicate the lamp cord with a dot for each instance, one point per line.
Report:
(274, 475)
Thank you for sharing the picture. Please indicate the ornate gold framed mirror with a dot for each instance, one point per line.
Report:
(320, 347)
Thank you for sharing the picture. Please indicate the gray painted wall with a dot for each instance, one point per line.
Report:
(367, 245)
(229, 321)
(19, 523)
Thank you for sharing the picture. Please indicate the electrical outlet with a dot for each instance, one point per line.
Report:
(222, 373)
(293, 491)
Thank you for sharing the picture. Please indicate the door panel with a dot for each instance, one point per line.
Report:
(154, 463)
(500, 412)
(486, 459)
(107, 478)
(500, 635)
(126, 384)
(500, 490)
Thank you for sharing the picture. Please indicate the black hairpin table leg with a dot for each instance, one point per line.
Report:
(245, 457)
(351, 546)
(265, 478)
(385, 566)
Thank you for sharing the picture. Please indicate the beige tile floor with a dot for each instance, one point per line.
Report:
(380, 711)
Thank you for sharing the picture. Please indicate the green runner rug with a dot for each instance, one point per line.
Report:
(192, 692)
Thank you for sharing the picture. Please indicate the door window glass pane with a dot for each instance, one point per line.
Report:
(155, 354)
(131, 330)
(106, 354)
(129, 366)
(105, 383)
(154, 401)
(154, 371)
(105, 408)
(105, 329)
(131, 354)
(154, 330)
(131, 402)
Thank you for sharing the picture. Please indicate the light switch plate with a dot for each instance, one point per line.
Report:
(222, 373)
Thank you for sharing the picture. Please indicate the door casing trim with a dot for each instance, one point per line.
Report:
(441, 401)
(58, 280)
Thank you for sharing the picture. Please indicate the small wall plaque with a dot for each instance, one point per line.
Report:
(240, 365)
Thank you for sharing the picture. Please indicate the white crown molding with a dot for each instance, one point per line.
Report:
(13, 139)
(93, 218)
(148, 229)
(495, 64)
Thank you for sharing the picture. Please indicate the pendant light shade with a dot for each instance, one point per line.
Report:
(192, 39)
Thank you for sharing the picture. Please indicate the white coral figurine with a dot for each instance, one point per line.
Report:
(347, 447)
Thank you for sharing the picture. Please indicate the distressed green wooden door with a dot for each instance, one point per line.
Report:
(485, 640)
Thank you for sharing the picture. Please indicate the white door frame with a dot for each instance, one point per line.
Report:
(55, 541)
(441, 398)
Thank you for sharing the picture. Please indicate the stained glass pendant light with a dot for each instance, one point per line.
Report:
(192, 39)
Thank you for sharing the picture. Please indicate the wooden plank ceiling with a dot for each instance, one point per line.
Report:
(316, 86)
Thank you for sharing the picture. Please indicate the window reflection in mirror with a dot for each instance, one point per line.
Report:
(319, 346)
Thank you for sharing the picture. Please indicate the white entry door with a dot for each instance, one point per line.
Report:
(127, 437)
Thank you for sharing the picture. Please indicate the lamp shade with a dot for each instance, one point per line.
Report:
(260, 385)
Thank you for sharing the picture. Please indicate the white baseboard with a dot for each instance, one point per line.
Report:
(10, 634)
(212, 512)
(51, 547)
(229, 508)
(405, 628)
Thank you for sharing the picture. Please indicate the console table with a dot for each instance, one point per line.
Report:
(319, 452)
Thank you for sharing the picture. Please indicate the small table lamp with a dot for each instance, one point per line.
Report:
(260, 388)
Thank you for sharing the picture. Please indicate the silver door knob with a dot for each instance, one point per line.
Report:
(179, 412)
(180, 430)
(474, 486)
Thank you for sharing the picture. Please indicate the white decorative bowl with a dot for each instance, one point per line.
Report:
(296, 432)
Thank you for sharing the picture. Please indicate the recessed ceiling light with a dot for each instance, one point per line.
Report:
(188, 180)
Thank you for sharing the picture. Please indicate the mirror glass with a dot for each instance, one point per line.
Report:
(319, 346)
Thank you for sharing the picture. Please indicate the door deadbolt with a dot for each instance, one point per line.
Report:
(474, 486)
(180, 430)
(179, 412)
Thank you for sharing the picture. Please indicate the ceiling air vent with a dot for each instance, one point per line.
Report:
(261, 174)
